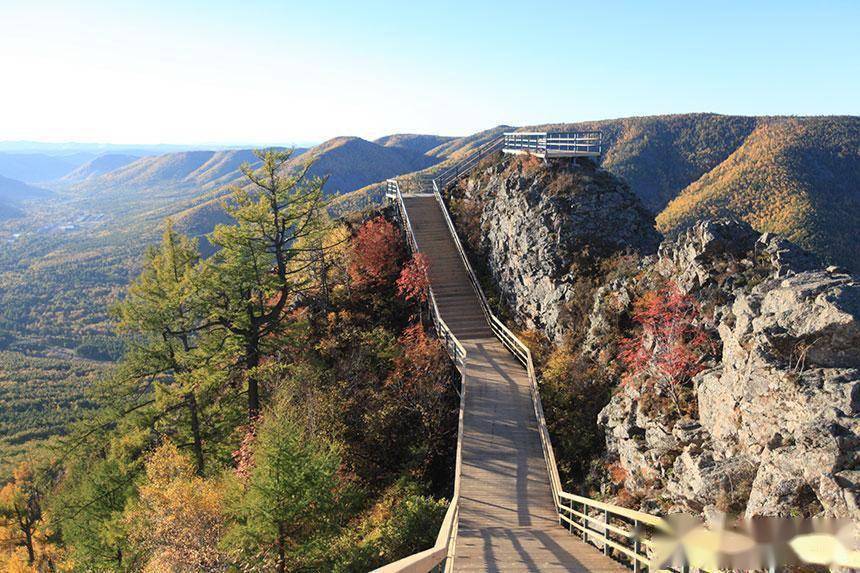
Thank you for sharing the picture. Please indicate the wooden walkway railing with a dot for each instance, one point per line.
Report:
(624, 533)
(438, 556)
(608, 526)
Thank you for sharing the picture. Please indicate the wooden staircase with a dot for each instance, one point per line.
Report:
(454, 294)
(507, 519)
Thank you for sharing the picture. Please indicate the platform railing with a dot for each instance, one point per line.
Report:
(605, 525)
(554, 143)
(610, 527)
(462, 168)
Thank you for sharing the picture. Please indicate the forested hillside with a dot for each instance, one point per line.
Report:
(68, 254)
(95, 167)
(294, 419)
(448, 152)
(65, 263)
(796, 177)
(421, 143)
(660, 155)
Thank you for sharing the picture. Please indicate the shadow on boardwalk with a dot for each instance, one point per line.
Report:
(507, 521)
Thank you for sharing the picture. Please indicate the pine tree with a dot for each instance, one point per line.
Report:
(261, 264)
(286, 494)
(164, 325)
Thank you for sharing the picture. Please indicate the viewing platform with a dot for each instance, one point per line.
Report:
(553, 144)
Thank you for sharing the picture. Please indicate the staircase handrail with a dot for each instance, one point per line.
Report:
(582, 519)
(512, 343)
(461, 168)
(443, 550)
(564, 501)
(610, 527)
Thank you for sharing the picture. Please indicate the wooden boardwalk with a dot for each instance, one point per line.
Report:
(507, 521)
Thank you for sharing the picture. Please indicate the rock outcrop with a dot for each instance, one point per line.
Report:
(774, 429)
(544, 226)
(778, 429)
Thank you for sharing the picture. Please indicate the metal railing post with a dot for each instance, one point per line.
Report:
(584, 522)
(570, 517)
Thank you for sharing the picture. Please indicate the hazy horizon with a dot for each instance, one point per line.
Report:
(15, 145)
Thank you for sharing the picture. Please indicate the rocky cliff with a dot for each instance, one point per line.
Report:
(542, 227)
(771, 427)
(777, 427)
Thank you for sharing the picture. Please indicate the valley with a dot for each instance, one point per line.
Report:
(68, 253)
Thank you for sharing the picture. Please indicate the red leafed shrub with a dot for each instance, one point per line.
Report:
(414, 279)
(617, 473)
(420, 374)
(669, 350)
(377, 250)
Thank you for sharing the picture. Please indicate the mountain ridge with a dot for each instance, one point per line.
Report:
(97, 166)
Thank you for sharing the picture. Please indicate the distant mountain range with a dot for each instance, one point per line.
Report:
(413, 141)
(793, 175)
(40, 167)
(98, 166)
(67, 253)
(14, 192)
(797, 176)
(448, 149)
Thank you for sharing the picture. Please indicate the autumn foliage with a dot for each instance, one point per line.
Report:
(414, 280)
(376, 252)
(670, 348)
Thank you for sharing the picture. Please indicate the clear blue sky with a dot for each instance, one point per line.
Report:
(266, 72)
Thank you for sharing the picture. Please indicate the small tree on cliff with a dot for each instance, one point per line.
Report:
(246, 285)
(284, 494)
(669, 350)
(22, 521)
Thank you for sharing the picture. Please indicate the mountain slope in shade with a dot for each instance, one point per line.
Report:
(799, 177)
(352, 163)
(448, 152)
(39, 167)
(462, 146)
(9, 211)
(203, 169)
(97, 166)
(420, 143)
(13, 191)
(349, 162)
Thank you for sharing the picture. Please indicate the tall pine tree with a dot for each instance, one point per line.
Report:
(261, 262)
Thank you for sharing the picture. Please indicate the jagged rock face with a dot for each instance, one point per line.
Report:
(540, 226)
(778, 429)
(788, 392)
